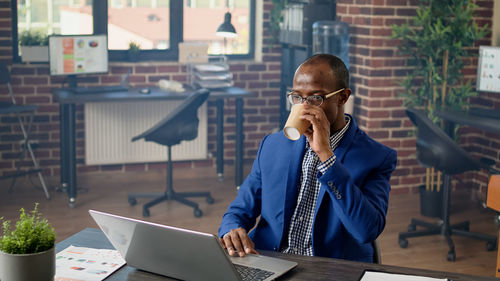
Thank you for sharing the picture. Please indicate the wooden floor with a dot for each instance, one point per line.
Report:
(108, 192)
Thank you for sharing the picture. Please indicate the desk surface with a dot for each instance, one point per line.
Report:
(488, 120)
(133, 94)
(309, 268)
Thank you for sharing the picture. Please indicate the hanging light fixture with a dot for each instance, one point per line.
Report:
(226, 29)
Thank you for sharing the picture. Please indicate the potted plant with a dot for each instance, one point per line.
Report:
(34, 46)
(133, 51)
(436, 41)
(27, 252)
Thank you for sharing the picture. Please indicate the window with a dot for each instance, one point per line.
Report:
(156, 25)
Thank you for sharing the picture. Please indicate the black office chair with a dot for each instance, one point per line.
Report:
(28, 111)
(181, 124)
(436, 149)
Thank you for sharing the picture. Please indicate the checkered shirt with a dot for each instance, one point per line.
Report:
(300, 232)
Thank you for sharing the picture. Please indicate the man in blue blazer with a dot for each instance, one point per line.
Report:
(325, 194)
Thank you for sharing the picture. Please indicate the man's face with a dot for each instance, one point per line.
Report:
(318, 79)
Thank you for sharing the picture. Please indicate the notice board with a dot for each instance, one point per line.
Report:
(488, 69)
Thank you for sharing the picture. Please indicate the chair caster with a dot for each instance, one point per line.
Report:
(210, 200)
(198, 213)
(145, 212)
(403, 243)
(132, 201)
(412, 227)
(490, 246)
(451, 256)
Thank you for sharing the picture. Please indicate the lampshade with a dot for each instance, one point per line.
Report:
(226, 29)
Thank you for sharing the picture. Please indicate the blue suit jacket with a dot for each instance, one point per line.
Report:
(352, 201)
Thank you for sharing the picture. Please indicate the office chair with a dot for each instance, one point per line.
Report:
(377, 257)
(436, 149)
(11, 108)
(181, 124)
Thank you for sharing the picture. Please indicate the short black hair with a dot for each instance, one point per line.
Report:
(336, 64)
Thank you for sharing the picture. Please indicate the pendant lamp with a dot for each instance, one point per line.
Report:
(226, 29)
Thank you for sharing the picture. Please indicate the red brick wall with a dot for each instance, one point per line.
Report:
(376, 67)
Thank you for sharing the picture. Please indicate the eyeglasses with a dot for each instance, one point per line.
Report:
(316, 100)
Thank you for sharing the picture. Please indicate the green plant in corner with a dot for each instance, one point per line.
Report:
(276, 17)
(33, 234)
(33, 38)
(437, 42)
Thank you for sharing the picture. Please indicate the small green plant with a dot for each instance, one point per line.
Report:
(33, 38)
(33, 234)
(134, 47)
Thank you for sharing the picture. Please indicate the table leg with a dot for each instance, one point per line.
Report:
(239, 143)
(220, 139)
(68, 150)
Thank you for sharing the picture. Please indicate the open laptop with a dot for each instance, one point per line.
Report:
(181, 253)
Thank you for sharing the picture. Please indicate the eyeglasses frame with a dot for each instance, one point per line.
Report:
(324, 97)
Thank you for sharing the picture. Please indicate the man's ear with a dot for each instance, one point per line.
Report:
(344, 96)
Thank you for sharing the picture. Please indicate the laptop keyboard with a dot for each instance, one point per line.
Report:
(251, 273)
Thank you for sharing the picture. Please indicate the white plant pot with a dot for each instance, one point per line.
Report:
(35, 53)
(40, 266)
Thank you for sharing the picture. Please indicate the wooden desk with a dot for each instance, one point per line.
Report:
(68, 100)
(309, 268)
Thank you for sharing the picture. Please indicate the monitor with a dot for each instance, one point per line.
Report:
(488, 69)
(78, 54)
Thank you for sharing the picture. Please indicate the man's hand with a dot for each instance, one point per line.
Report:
(237, 241)
(319, 136)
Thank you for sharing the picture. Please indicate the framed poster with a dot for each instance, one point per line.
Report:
(488, 69)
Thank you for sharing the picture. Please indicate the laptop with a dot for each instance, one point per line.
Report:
(183, 254)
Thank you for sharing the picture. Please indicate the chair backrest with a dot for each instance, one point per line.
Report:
(436, 149)
(180, 124)
(377, 258)
(4, 73)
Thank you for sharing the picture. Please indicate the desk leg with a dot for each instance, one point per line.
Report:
(68, 150)
(220, 139)
(239, 142)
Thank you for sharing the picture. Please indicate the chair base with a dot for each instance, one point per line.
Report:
(461, 229)
(172, 195)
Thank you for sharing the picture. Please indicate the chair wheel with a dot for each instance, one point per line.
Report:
(145, 212)
(451, 256)
(210, 200)
(490, 246)
(403, 243)
(198, 213)
(412, 227)
(132, 201)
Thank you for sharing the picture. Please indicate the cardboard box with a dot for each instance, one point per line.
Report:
(193, 52)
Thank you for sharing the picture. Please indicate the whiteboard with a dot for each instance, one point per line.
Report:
(488, 69)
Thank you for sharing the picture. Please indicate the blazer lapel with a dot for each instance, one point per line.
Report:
(293, 178)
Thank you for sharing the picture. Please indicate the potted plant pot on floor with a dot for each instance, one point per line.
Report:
(27, 252)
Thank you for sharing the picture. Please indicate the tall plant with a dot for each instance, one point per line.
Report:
(436, 42)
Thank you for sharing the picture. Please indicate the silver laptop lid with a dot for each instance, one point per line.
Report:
(165, 250)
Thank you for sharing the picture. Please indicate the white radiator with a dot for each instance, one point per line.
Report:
(109, 128)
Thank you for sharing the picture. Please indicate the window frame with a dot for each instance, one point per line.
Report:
(100, 26)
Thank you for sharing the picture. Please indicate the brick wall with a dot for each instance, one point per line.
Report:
(376, 67)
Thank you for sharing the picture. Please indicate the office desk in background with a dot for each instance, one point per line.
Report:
(309, 268)
(68, 100)
(484, 119)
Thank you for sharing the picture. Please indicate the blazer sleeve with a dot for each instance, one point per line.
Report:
(246, 207)
(361, 208)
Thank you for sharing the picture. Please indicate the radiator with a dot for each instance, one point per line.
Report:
(109, 128)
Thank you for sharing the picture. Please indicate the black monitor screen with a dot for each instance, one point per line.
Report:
(78, 54)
